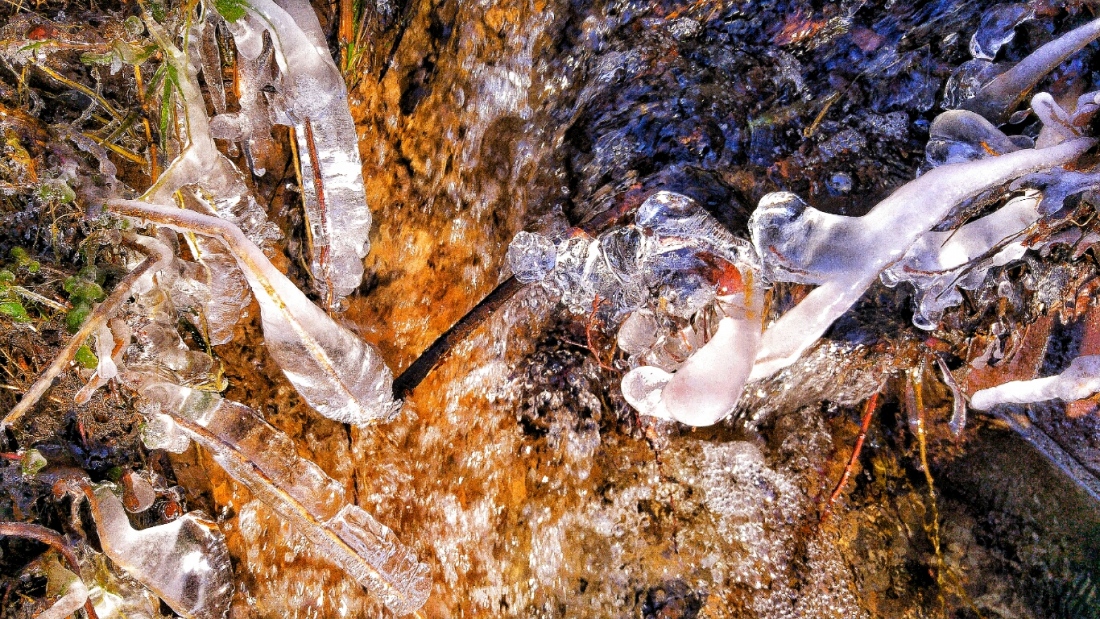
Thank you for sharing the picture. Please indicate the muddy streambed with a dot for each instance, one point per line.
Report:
(516, 471)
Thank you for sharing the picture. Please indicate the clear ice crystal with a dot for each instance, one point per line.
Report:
(531, 257)
(62, 582)
(311, 97)
(185, 562)
(266, 461)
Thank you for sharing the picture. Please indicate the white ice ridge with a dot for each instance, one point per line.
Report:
(338, 374)
(185, 562)
(1080, 380)
(845, 254)
(707, 386)
(312, 98)
(265, 460)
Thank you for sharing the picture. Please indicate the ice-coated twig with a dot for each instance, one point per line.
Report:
(313, 100)
(1051, 450)
(185, 562)
(1080, 380)
(846, 254)
(92, 323)
(997, 99)
(265, 460)
(200, 162)
(339, 375)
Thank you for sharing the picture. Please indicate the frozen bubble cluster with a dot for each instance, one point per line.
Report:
(672, 257)
(675, 283)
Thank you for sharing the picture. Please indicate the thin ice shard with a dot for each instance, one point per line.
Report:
(265, 460)
(339, 375)
(312, 98)
(185, 562)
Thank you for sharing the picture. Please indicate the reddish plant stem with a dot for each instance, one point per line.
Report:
(319, 189)
(865, 423)
(52, 539)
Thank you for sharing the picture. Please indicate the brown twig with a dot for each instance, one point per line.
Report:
(52, 539)
(864, 425)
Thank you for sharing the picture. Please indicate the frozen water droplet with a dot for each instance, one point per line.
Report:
(967, 80)
(840, 183)
(638, 332)
(531, 257)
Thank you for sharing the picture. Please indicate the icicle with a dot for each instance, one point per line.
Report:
(997, 99)
(313, 100)
(1080, 380)
(266, 461)
(846, 254)
(958, 410)
(339, 375)
(220, 290)
(185, 562)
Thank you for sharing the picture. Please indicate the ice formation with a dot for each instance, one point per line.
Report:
(707, 386)
(675, 264)
(846, 254)
(1080, 380)
(71, 588)
(200, 162)
(312, 98)
(185, 562)
(339, 375)
(997, 99)
(939, 264)
(266, 461)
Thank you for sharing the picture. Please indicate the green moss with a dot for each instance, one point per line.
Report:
(231, 10)
(77, 316)
(85, 357)
(14, 310)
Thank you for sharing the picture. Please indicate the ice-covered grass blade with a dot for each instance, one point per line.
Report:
(265, 460)
(339, 375)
